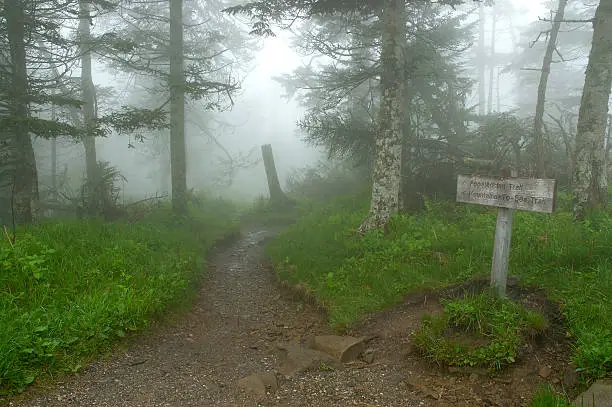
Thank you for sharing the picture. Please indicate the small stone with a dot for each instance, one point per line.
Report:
(571, 378)
(473, 377)
(269, 379)
(431, 394)
(342, 348)
(413, 384)
(298, 359)
(253, 384)
(545, 371)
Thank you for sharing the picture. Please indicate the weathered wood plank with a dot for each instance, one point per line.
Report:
(501, 251)
(528, 194)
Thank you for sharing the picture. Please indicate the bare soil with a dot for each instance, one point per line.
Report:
(240, 318)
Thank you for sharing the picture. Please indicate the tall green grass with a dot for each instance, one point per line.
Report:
(447, 243)
(548, 397)
(70, 289)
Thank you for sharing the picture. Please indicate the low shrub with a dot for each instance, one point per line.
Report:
(478, 330)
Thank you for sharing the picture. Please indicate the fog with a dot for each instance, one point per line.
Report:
(261, 114)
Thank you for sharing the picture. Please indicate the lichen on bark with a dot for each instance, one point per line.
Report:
(589, 180)
(386, 177)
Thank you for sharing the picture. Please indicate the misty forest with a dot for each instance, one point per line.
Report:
(305, 203)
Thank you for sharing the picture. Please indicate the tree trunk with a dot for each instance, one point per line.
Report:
(387, 165)
(178, 162)
(54, 166)
(498, 96)
(481, 60)
(165, 183)
(590, 186)
(492, 65)
(608, 145)
(88, 94)
(538, 136)
(277, 196)
(18, 177)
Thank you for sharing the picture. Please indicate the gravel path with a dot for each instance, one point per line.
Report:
(234, 329)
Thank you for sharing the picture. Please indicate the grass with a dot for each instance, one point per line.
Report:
(70, 289)
(548, 397)
(447, 243)
(261, 212)
(478, 330)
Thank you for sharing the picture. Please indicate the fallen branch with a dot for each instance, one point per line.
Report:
(550, 20)
(147, 199)
(8, 238)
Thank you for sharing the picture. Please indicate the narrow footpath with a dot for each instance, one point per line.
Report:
(243, 323)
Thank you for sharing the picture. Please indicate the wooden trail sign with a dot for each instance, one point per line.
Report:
(514, 193)
(507, 194)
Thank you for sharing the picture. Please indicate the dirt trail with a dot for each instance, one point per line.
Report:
(234, 329)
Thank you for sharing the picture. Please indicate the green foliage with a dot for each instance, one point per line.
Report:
(138, 45)
(103, 194)
(42, 128)
(70, 290)
(129, 119)
(447, 243)
(307, 187)
(342, 97)
(548, 397)
(478, 330)
(114, 42)
(325, 181)
(353, 275)
(266, 13)
(498, 138)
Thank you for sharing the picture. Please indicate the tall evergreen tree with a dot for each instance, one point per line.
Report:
(28, 83)
(590, 187)
(18, 167)
(181, 53)
(386, 178)
(177, 110)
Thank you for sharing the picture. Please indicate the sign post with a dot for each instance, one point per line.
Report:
(501, 250)
(506, 194)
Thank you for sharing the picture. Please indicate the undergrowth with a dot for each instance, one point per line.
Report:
(70, 289)
(478, 330)
(261, 212)
(448, 243)
(548, 397)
